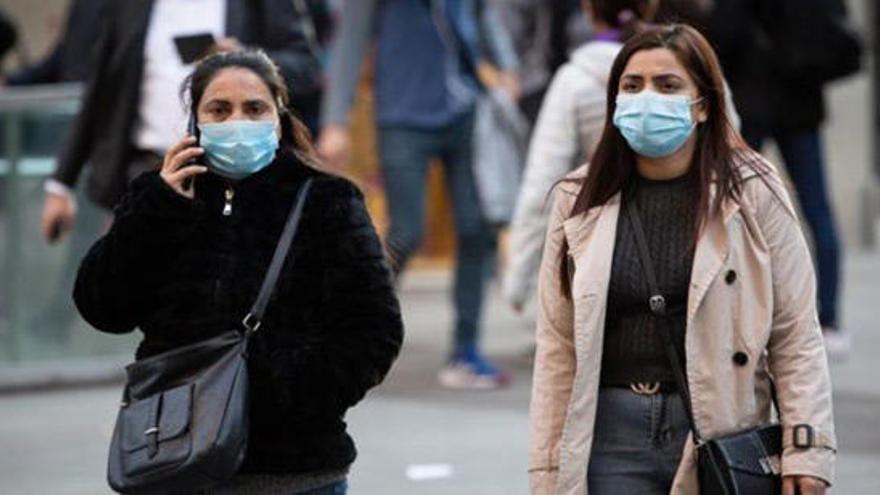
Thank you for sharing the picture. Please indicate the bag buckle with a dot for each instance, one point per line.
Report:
(645, 388)
(657, 303)
(251, 323)
(771, 464)
(803, 436)
(152, 435)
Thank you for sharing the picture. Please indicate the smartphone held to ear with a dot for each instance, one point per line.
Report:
(192, 130)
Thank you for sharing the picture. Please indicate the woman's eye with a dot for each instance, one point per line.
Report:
(255, 109)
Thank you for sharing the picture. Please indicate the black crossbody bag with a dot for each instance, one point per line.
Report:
(746, 462)
(183, 421)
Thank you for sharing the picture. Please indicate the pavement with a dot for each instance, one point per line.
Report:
(415, 437)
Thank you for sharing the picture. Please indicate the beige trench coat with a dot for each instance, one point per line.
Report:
(766, 310)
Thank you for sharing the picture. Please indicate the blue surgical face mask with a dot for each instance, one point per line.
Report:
(653, 124)
(239, 148)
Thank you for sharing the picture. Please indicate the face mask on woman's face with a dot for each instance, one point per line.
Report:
(239, 148)
(654, 125)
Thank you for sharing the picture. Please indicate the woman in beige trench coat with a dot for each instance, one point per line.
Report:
(726, 243)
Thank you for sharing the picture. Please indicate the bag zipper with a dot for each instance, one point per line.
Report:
(229, 194)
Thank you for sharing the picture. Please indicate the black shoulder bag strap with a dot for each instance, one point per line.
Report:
(657, 303)
(254, 318)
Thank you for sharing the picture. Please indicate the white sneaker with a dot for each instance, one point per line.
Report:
(837, 344)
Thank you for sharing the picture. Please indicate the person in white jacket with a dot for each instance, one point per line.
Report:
(568, 128)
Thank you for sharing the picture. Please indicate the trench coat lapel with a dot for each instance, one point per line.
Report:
(596, 227)
(710, 256)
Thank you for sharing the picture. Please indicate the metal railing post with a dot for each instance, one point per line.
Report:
(12, 252)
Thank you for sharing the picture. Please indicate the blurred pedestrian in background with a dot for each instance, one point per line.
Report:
(779, 55)
(544, 34)
(318, 24)
(623, 387)
(428, 70)
(184, 262)
(566, 133)
(66, 61)
(130, 114)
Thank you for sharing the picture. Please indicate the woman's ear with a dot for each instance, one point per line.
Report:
(701, 111)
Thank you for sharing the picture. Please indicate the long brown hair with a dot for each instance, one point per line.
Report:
(295, 136)
(613, 165)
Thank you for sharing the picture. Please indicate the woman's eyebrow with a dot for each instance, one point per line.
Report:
(217, 101)
(257, 101)
(667, 76)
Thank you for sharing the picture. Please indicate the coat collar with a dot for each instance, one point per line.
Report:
(598, 227)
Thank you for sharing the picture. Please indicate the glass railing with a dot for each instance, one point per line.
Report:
(38, 321)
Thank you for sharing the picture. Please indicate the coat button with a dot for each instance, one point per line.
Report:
(740, 358)
(730, 277)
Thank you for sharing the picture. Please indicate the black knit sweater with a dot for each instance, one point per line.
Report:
(633, 349)
(181, 271)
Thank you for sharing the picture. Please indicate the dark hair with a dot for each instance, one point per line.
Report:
(612, 167)
(627, 16)
(295, 135)
(693, 12)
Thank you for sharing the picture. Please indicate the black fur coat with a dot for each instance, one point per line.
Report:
(181, 271)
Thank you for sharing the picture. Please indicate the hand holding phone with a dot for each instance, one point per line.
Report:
(175, 171)
(192, 130)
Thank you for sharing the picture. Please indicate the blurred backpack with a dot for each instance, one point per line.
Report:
(814, 39)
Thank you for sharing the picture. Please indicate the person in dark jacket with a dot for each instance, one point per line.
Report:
(65, 62)
(130, 114)
(790, 110)
(188, 250)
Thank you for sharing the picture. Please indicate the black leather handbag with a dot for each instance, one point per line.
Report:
(183, 421)
(746, 462)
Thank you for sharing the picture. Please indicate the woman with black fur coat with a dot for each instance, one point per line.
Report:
(190, 246)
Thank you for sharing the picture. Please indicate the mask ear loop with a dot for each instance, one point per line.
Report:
(697, 102)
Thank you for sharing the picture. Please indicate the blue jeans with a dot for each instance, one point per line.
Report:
(802, 152)
(405, 154)
(637, 442)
